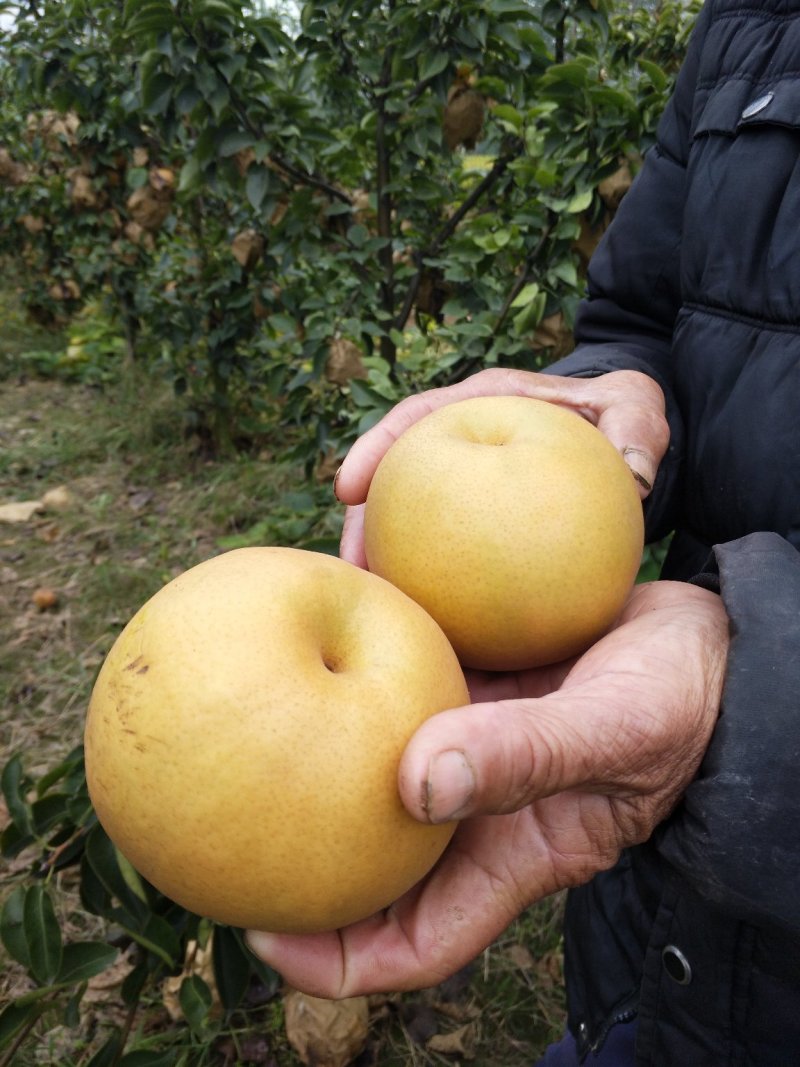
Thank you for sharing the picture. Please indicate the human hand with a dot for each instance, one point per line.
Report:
(627, 406)
(554, 772)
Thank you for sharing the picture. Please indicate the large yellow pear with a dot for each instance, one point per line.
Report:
(514, 522)
(244, 736)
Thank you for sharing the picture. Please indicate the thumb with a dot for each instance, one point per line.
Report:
(496, 757)
(637, 426)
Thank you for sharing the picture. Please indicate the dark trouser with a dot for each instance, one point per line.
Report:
(619, 1050)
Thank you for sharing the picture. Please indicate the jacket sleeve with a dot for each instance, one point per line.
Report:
(633, 298)
(736, 834)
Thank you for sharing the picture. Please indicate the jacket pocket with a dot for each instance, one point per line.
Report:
(739, 250)
(738, 104)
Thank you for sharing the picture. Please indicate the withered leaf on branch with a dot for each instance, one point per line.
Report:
(68, 289)
(248, 248)
(150, 205)
(33, 223)
(344, 361)
(147, 209)
(553, 333)
(11, 172)
(464, 112)
(83, 193)
(615, 186)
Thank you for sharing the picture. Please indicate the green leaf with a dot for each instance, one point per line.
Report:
(103, 858)
(145, 1058)
(12, 929)
(43, 934)
(234, 141)
(432, 65)
(72, 1008)
(525, 296)
(530, 316)
(231, 65)
(48, 812)
(14, 1018)
(14, 786)
(357, 235)
(257, 185)
(214, 9)
(580, 202)
(654, 73)
(67, 768)
(85, 959)
(131, 877)
(509, 115)
(565, 271)
(155, 16)
(189, 178)
(156, 92)
(108, 1053)
(157, 937)
(231, 964)
(195, 1000)
(135, 981)
(574, 72)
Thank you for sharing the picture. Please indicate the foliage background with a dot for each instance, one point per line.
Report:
(287, 218)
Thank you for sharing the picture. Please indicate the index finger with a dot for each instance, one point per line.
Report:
(361, 462)
(435, 929)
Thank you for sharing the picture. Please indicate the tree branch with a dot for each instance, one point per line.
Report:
(384, 200)
(524, 276)
(449, 228)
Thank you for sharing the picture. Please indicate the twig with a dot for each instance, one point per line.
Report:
(523, 276)
(449, 228)
(8, 1059)
(384, 200)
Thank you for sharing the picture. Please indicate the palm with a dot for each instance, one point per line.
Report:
(578, 761)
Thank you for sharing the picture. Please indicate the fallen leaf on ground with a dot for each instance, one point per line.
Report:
(22, 511)
(58, 499)
(326, 1033)
(459, 1042)
(521, 957)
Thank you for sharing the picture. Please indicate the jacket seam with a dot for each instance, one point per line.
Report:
(776, 326)
(764, 78)
(757, 12)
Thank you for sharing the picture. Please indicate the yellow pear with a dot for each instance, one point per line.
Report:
(514, 522)
(244, 736)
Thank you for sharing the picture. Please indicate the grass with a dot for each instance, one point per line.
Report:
(137, 503)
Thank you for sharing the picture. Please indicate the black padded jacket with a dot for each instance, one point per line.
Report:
(697, 283)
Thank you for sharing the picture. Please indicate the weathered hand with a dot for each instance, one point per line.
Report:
(627, 406)
(554, 771)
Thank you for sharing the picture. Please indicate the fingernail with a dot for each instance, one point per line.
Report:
(450, 786)
(335, 481)
(628, 455)
(258, 942)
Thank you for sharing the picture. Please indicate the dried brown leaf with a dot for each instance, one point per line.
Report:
(58, 499)
(22, 511)
(199, 961)
(326, 1033)
(460, 1042)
